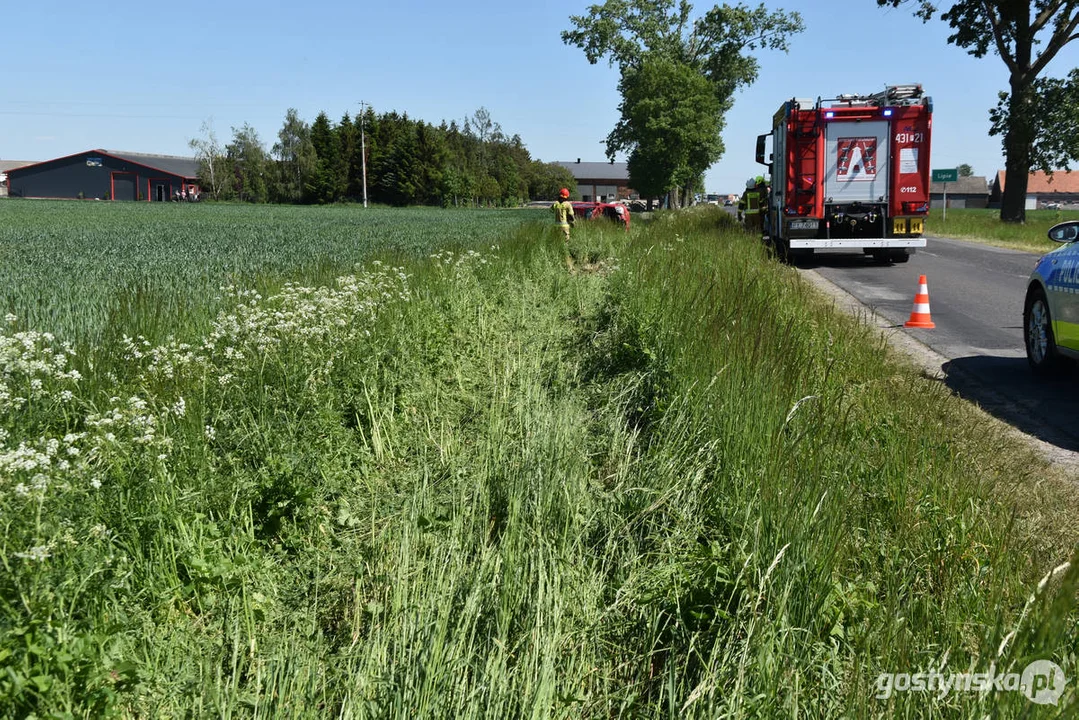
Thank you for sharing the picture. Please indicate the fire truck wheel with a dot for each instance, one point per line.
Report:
(899, 256)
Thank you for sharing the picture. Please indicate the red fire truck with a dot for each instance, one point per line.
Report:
(850, 172)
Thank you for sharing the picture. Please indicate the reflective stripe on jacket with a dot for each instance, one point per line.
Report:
(752, 200)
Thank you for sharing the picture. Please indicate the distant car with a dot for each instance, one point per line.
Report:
(1051, 310)
(1051, 206)
(616, 212)
(727, 203)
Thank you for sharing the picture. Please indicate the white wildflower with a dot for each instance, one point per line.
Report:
(38, 553)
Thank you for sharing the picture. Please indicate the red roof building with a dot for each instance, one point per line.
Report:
(1060, 187)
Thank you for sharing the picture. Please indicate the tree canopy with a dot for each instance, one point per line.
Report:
(409, 162)
(678, 76)
(1026, 35)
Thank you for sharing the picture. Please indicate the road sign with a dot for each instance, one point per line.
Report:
(946, 175)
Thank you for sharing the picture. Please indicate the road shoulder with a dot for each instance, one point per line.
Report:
(931, 364)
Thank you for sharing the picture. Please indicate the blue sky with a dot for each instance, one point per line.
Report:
(144, 76)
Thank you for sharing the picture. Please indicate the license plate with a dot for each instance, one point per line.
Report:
(803, 225)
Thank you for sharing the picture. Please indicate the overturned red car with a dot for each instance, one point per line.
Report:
(615, 212)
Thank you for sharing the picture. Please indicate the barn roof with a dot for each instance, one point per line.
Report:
(596, 170)
(185, 167)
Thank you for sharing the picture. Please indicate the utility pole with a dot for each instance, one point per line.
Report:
(363, 152)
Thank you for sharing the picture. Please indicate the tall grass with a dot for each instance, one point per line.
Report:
(670, 484)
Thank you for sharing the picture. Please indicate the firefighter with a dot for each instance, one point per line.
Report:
(750, 204)
(563, 213)
(764, 190)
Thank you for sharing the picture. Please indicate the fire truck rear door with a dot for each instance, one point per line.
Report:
(856, 165)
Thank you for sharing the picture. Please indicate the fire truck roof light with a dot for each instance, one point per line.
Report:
(829, 114)
(888, 112)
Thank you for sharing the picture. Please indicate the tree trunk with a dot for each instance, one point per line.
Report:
(1017, 144)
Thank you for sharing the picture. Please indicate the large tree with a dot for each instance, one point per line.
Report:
(671, 123)
(327, 182)
(296, 158)
(211, 156)
(546, 179)
(249, 163)
(651, 39)
(1014, 30)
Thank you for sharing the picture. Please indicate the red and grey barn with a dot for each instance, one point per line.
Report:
(108, 175)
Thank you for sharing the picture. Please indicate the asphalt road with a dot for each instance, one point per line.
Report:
(976, 299)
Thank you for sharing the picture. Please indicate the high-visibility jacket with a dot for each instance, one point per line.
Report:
(563, 212)
(751, 201)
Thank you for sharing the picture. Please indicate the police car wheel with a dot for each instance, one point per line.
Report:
(1038, 334)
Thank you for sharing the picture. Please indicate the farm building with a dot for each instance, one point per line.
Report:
(600, 181)
(6, 165)
(107, 175)
(1062, 187)
(966, 192)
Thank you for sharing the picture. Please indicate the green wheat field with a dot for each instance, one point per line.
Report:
(335, 462)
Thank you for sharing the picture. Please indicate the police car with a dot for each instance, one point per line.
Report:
(1051, 310)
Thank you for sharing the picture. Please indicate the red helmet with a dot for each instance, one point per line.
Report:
(564, 192)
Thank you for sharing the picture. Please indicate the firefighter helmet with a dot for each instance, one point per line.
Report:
(750, 184)
(563, 193)
(760, 179)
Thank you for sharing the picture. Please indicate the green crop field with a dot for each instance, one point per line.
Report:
(84, 269)
(419, 464)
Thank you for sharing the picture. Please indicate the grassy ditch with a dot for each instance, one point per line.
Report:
(670, 484)
(985, 226)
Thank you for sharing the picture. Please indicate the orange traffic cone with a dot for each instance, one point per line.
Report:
(919, 316)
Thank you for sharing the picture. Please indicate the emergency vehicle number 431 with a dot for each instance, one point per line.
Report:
(909, 137)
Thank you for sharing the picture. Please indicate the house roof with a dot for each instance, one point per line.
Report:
(973, 185)
(596, 170)
(186, 167)
(1062, 181)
